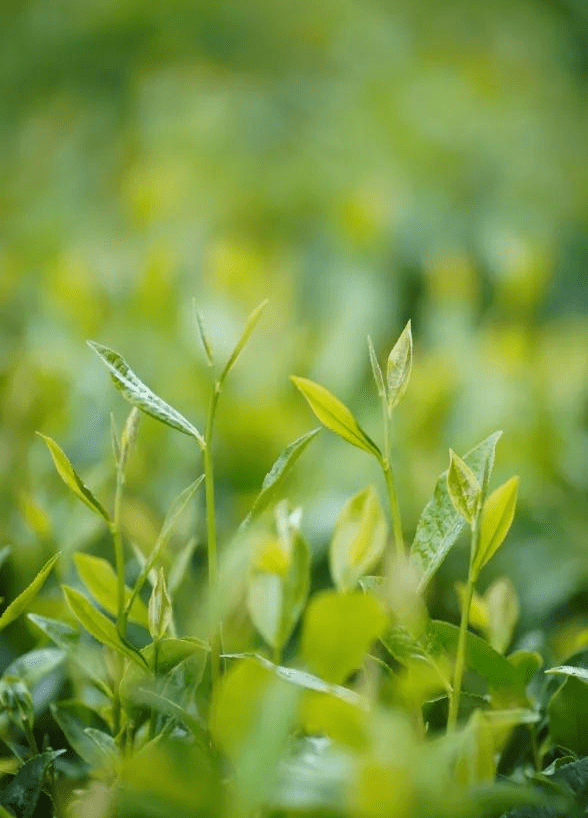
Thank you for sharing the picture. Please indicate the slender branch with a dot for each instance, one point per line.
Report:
(119, 553)
(211, 528)
(391, 486)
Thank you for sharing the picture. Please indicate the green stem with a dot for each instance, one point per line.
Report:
(391, 487)
(215, 647)
(119, 554)
(461, 643)
(153, 715)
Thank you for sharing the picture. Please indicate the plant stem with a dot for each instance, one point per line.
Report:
(119, 553)
(215, 646)
(461, 643)
(391, 487)
(153, 714)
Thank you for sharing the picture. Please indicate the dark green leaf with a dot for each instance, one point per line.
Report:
(21, 794)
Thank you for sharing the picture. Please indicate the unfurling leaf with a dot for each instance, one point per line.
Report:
(276, 476)
(464, 488)
(245, 335)
(127, 438)
(358, 540)
(335, 415)
(138, 394)
(71, 478)
(440, 524)
(160, 608)
(376, 371)
(399, 368)
(495, 520)
(23, 600)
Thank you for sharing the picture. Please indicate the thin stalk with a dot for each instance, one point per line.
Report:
(391, 487)
(153, 715)
(119, 553)
(215, 647)
(463, 628)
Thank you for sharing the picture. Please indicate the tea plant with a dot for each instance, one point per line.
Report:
(380, 710)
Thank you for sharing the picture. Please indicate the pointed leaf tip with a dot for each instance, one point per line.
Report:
(399, 367)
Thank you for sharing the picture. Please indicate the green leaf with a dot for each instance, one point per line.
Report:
(402, 645)
(245, 335)
(74, 718)
(463, 487)
(21, 794)
(138, 394)
(480, 656)
(32, 667)
(440, 525)
(98, 625)
(160, 608)
(359, 539)
(495, 521)
(338, 630)
(107, 750)
(335, 415)
(276, 476)
(570, 671)
(71, 478)
(568, 712)
(376, 371)
(180, 566)
(128, 436)
(100, 580)
(23, 600)
(202, 335)
(278, 586)
(4, 554)
(399, 368)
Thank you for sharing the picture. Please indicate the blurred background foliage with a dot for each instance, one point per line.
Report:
(359, 164)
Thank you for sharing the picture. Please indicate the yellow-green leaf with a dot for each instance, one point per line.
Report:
(100, 580)
(71, 478)
(245, 335)
(399, 368)
(160, 608)
(495, 521)
(22, 601)
(376, 371)
(98, 625)
(464, 488)
(358, 540)
(334, 414)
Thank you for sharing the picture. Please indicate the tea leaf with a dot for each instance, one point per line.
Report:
(495, 521)
(335, 415)
(568, 713)
(98, 625)
(32, 667)
(439, 525)
(71, 478)
(100, 580)
(74, 718)
(338, 630)
(107, 750)
(160, 608)
(276, 476)
(399, 368)
(245, 335)
(23, 600)
(202, 335)
(127, 438)
(138, 394)
(464, 488)
(359, 539)
(20, 796)
(376, 371)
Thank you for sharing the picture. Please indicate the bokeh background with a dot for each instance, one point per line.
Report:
(359, 164)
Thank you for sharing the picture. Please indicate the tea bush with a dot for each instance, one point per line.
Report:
(268, 694)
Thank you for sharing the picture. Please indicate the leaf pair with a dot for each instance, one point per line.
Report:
(398, 369)
(493, 515)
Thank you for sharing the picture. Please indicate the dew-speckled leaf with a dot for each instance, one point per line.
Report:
(245, 335)
(495, 521)
(24, 599)
(335, 415)
(274, 479)
(359, 539)
(138, 394)
(464, 488)
(376, 370)
(71, 478)
(338, 631)
(100, 580)
(21, 794)
(98, 625)
(440, 525)
(399, 367)
(32, 667)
